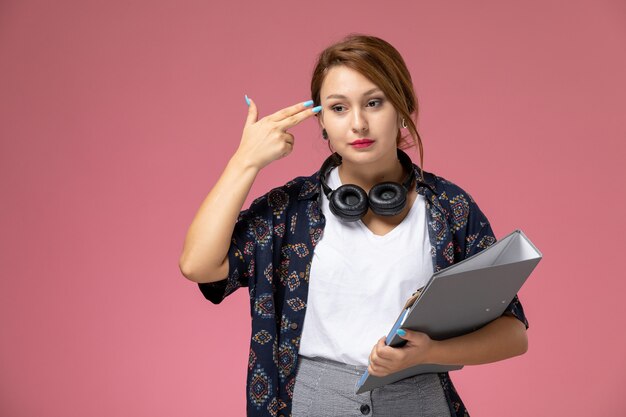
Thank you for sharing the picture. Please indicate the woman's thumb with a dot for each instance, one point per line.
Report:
(253, 113)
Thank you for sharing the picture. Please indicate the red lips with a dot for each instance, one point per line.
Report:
(362, 143)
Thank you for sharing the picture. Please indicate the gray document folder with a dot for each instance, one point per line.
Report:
(462, 298)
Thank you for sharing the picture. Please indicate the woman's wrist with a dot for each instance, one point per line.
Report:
(435, 353)
(438, 352)
(243, 162)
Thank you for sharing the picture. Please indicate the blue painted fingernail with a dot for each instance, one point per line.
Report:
(401, 332)
(247, 100)
(317, 109)
(308, 103)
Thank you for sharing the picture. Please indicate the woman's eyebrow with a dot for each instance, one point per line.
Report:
(367, 93)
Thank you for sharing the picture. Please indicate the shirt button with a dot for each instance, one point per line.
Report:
(365, 409)
(293, 326)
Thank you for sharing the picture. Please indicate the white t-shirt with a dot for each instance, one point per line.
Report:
(360, 281)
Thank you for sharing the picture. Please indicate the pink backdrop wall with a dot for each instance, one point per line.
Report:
(117, 117)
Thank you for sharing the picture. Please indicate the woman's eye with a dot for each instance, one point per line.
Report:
(340, 109)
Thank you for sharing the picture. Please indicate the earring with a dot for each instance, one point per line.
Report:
(404, 123)
(324, 134)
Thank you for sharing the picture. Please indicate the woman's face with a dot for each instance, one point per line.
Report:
(361, 123)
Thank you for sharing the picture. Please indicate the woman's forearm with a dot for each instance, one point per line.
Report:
(503, 338)
(205, 251)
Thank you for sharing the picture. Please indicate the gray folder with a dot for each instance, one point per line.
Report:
(462, 298)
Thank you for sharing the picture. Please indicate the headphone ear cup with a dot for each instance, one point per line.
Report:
(349, 202)
(387, 198)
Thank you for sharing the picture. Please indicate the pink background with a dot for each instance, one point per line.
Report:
(117, 117)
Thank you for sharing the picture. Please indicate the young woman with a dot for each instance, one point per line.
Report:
(347, 246)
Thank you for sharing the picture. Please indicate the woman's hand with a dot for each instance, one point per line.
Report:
(503, 338)
(385, 360)
(266, 140)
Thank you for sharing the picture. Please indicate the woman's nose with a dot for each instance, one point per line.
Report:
(359, 122)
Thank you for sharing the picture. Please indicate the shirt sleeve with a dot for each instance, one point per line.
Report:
(241, 254)
(480, 236)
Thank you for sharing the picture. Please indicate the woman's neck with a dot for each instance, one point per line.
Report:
(368, 175)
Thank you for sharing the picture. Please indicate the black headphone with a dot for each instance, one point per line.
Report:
(350, 202)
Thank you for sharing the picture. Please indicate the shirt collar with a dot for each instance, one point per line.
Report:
(427, 180)
(310, 187)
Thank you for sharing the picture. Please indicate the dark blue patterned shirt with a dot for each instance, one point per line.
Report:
(271, 253)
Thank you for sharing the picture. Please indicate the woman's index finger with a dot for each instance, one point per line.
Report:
(298, 117)
(290, 111)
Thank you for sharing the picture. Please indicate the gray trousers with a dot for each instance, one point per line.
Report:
(327, 388)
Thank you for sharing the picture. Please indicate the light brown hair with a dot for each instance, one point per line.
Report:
(383, 65)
